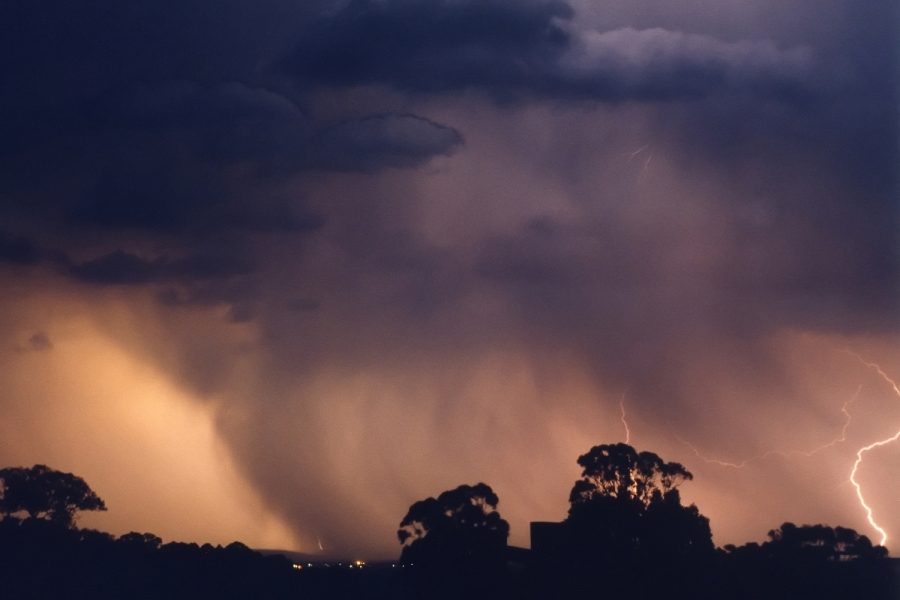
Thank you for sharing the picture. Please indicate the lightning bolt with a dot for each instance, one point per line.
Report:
(716, 461)
(647, 163)
(870, 517)
(859, 494)
(631, 155)
(878, 370)
(860, 453)
(634, 153)
(624, 420)
(319, 543)
(848, 418)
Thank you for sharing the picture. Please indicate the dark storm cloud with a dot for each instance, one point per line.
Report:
(66, 68)
(535, 48)
(18, 250)
(660, 197)
(181, 156)
(128, 269)
(83, 85)
(431, 46)
(379, 141)
(134, 126)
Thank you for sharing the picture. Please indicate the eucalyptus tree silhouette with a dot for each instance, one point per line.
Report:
(627, 505)
(459, 530)
(44, 493)
(627, 526)
(811, 561)
(619, 471)
(823, 543)
(792, 543)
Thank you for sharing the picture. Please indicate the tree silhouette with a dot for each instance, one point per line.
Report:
(460, 529)
(626, 509)
(810, 561)
(44, 493)
(619, 471)
(813, 543)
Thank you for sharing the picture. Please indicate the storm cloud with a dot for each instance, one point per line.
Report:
(532, 48)
(389, 247)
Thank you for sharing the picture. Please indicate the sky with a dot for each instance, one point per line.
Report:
(273, 271)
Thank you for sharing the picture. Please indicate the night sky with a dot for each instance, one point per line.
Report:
(274, 270)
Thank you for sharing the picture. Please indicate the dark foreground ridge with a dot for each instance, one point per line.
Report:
(627, 535)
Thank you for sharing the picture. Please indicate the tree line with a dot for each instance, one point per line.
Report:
(627, 534)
